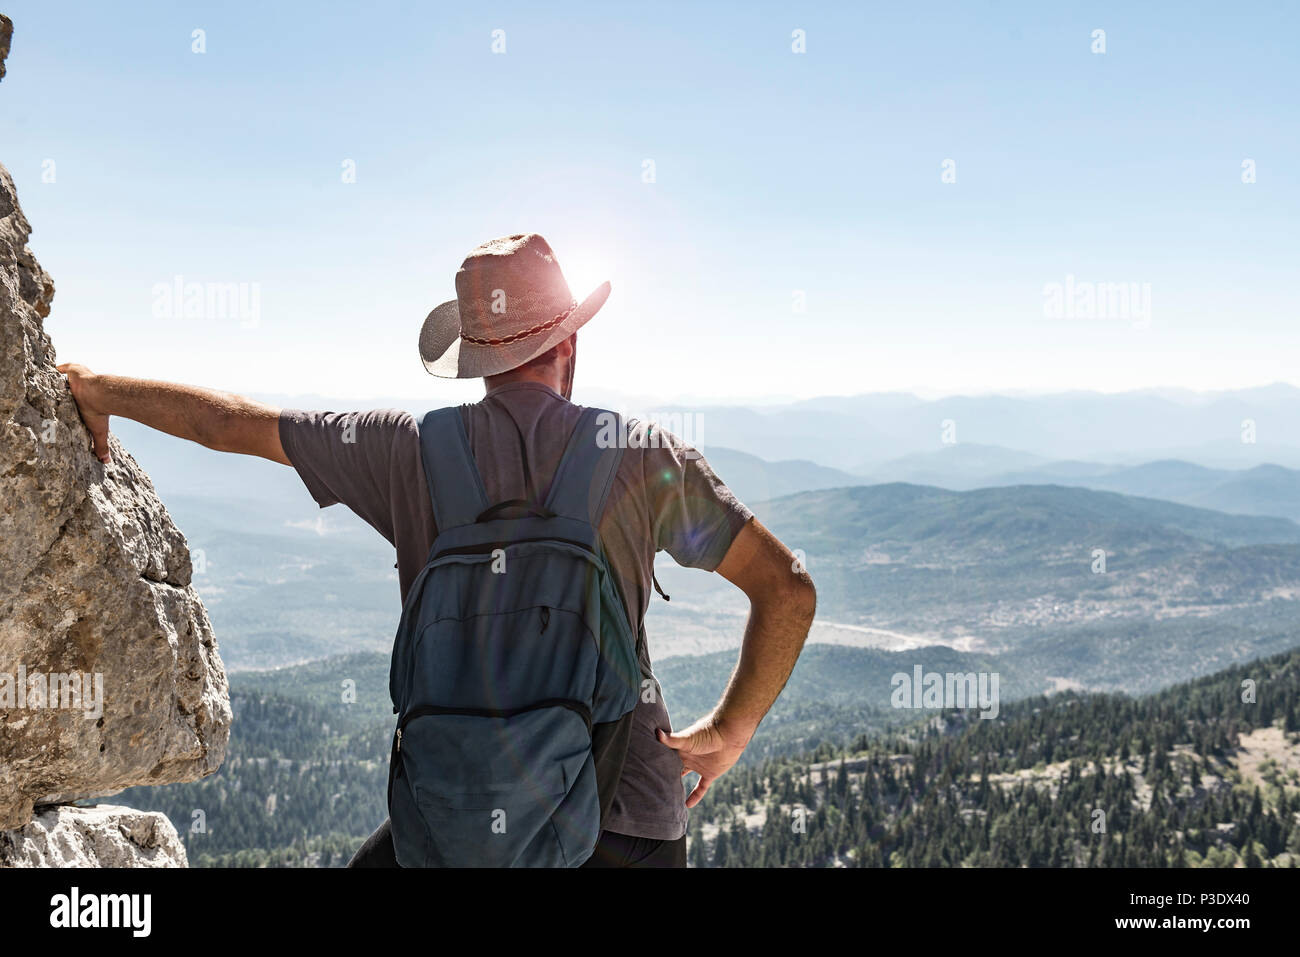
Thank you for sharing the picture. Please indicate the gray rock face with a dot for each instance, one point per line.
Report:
(94, 588)
(6, 34)
(100, 836)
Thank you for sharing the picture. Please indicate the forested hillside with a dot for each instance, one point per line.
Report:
(1192, 776)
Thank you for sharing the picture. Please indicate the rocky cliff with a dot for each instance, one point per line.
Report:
(100, 836)
(109, 673)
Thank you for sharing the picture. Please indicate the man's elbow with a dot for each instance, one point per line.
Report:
(242, 427)
(799, 597)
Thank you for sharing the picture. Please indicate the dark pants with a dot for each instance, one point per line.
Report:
(612, 850)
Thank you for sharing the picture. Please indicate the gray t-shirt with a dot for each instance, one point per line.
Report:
(664, 496)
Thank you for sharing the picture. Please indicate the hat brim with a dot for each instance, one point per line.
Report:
(448, 356)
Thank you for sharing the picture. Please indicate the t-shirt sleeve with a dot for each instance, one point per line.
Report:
(348, 457)
(695, 516)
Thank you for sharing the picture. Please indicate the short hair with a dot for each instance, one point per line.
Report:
(547, 358)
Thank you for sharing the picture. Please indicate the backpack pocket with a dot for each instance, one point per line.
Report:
(483, 788)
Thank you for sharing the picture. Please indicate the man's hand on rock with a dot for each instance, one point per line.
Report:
(81, 381)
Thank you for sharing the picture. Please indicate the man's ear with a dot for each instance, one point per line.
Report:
(571, 361)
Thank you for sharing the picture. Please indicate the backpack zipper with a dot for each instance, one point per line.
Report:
(578, 707)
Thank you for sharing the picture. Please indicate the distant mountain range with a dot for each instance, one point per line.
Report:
(1096, 588)
(861, 433)
(1267, 489)
(1262, 490)
(756, 480)
(1235, 429)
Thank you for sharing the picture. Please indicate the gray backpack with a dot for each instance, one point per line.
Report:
(515, 668)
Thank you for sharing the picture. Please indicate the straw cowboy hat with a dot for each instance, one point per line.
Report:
(512, 304)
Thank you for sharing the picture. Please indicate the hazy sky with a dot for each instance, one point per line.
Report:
(777, 175)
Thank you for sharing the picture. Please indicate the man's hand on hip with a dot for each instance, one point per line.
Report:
(708, 748)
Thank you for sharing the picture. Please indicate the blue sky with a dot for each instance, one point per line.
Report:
(775, 172)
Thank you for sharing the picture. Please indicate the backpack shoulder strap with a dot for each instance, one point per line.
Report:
(586, 471)
(455, 486)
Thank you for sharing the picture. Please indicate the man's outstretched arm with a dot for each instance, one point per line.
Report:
(782, 601)
(217, 420)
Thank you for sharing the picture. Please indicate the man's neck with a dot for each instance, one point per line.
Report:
(550, 378)
(494, 382)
